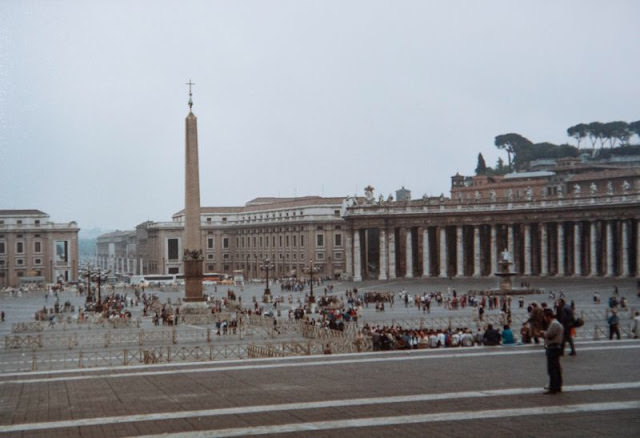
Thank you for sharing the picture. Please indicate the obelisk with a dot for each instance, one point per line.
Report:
(192, 239)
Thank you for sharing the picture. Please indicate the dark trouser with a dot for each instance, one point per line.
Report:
(568, 339)
(614, 329)
(553, 368)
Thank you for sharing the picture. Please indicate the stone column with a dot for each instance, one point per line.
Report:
(459, 251)
(511, 244)
(544, 250)
(392, 254)
(560, 249)
(348, 253)
(408, 254)
(610, 269)
(577, 250)
(426, 260)
(593, 228)
(494, 250)
(383, 255)
(443, 252)
(476, 251)
(357, 264)
(624, 271)
(638, 250)
(527, 249)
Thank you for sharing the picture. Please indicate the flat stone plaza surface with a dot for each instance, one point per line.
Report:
(449, 392)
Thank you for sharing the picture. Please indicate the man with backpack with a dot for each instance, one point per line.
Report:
(565, 315)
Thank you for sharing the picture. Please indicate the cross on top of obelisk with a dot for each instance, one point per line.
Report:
(190, 100)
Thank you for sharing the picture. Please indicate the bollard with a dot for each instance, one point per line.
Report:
(595, 333)
(208, 334)
(141, 337)
(174, 336)
(107, 339)
(34, 362)
(80, 359)
(125, 358)
(168, 354)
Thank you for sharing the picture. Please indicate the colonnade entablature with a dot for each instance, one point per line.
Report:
(448, 206)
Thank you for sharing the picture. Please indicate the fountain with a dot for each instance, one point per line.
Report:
(505, 274)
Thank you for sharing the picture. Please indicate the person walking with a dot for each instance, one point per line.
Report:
(566, 317)
(636, 325)
(614, 324)
(553, 337)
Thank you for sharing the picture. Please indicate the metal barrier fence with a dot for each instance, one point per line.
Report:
(307, 348)
(70, 325)
(104, 336)
(57, 360)
(33, 335)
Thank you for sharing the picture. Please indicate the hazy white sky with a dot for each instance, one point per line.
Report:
(292, 97)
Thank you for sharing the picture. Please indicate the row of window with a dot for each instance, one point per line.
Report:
(21, 274)
(37, 247)
(19, 222)
(20, 262)
(255, 242)
(263, 241)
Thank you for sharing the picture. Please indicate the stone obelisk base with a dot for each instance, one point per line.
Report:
(196, 312)
(193, 281)
(194, 309)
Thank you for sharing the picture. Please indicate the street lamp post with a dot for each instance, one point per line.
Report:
(310, 270)
(97, 275)
(266, 266)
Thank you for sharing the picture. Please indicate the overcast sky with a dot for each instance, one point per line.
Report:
(293, 98)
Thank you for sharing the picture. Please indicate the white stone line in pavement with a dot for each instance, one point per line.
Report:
(243, 410)
(300, 361)
(403, 420)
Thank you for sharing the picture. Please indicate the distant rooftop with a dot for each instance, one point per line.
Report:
(261, 204)
(22, 213)
(536, 174)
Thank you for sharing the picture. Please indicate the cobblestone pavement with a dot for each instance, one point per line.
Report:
(480, 391)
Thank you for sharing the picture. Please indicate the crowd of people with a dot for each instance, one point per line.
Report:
(396, 337)
(333, 311)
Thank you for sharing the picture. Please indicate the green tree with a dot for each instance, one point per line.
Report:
(595, 131)
(481, 167)
(617, 132)
(514, 144)
(634, 128)
(578, 132)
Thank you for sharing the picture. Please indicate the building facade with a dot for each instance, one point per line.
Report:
(577, 220)
(35, 250)
(116, 252)
(293, 234)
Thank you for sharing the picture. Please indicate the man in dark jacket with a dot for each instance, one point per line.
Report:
(491, 336)
(564, 314)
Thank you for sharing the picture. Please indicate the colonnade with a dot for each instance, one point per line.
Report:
(603, 248)
(120, 265)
